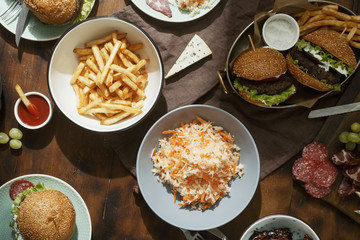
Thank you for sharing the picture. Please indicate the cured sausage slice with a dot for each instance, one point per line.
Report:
(316, 151)
(315, 170)
(346, 188)
(345, 157)
(353, 172)
(324, 175)
(160, 6)
(317, 192)
(18, 187)
(303, 169)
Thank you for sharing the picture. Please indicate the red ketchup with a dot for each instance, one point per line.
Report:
(42, 106)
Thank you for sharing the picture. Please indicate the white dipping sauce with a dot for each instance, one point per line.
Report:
(280, 33)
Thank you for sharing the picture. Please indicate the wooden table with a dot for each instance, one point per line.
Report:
(86, 161)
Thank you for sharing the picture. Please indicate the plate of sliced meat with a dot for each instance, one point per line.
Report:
(176, 10)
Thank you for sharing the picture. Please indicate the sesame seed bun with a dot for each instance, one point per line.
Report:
(334, 44)
(47, 214)
(304, 78)
(259, 64)
(54, 12)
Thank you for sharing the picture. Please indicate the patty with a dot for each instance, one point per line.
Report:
(313, 69)
(269, 87)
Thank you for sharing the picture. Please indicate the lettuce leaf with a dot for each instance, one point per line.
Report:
(268, 100)
(326, 57)
(85, 9)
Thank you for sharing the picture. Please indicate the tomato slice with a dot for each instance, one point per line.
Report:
(18, 187)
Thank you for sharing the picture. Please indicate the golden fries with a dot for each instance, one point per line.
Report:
(330, 17)
(110, 79)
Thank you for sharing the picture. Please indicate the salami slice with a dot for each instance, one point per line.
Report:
(303, 169)
(316, 151)
(18, 187)
(324, 175)
(317, 192)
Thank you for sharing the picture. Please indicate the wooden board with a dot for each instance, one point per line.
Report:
(328, 135)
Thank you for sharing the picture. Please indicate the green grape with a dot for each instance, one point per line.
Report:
(343, 137)
(353, 137)
(355, 127)
(350, 146)
(4, 138)
(15, 144)
(15, 133)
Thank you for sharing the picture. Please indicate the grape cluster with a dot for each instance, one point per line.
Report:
(351, 138)
(15, 135)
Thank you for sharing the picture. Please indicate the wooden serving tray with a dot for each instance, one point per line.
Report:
(328, 135)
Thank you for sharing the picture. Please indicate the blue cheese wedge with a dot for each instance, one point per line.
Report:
(195, 50)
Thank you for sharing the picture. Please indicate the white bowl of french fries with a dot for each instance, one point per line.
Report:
(105, 74)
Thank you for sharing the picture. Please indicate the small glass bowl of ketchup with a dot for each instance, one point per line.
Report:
(29, 120)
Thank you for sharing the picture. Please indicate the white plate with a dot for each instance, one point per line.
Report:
(63, 63)
(178, 15)
(298, 228)
(34, 29)
(83, 221)
(159, 196)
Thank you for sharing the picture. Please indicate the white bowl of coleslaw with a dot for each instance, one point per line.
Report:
(160, 196)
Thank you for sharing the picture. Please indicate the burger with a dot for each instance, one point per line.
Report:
(321, 60)
(44, 214)
(58, 12)
(260, 77)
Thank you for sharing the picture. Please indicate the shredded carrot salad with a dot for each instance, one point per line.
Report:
(197, 160)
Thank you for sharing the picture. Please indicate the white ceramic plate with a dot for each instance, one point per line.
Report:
(159, 196)
(34, 29)
(63, 63)
(296, 226)
(178, 15)
(83, 227)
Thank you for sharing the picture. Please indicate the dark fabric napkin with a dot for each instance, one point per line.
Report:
(279, 133)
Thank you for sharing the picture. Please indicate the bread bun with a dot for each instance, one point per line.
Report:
(331, 41)
(47, 214)
(53, 11)
(304, 78)
(259, 64)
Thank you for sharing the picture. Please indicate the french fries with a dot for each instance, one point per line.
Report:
(329, 16)
(110, 79)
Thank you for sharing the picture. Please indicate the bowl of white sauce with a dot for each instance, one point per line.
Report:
(280, 32)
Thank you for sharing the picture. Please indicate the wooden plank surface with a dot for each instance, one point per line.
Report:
(85, 160)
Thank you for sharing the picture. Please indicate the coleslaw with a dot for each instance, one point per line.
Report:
(197, 160)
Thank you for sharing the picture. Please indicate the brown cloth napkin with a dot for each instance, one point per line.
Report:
(279, 133)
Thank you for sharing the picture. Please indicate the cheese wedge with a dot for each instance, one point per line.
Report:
(195, 50)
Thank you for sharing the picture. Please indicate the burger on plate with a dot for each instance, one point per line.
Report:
(57, 12)
(321, 60)
(261, 77)
(43, 213)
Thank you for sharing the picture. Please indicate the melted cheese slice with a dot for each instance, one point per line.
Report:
(195, 50)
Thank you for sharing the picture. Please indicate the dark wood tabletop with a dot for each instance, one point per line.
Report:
(85, 160)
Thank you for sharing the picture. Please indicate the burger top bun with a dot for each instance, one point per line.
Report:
(47, 214)
(334, 44)
(260, 64)
(54, 12)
